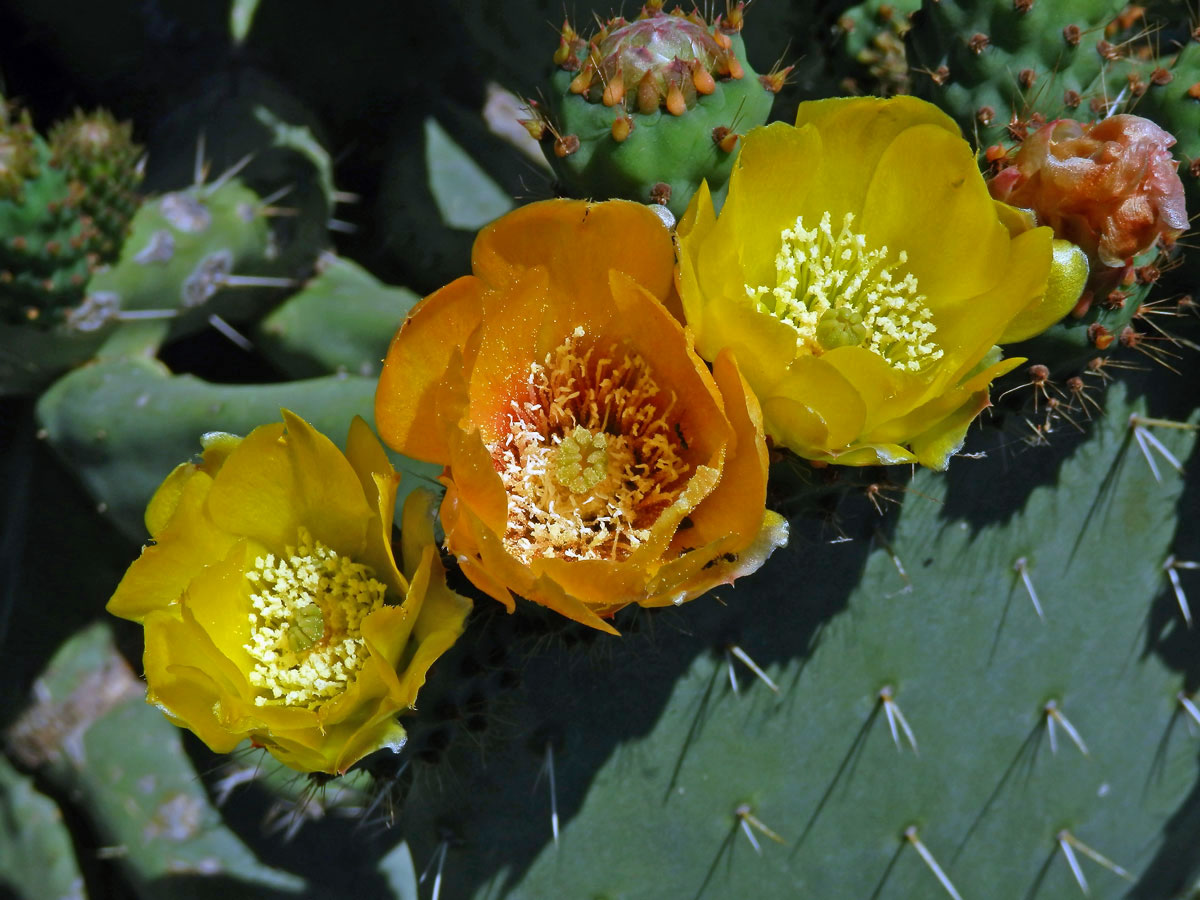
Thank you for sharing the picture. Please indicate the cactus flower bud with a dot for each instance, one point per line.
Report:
(1110, 187)
(17, 160)
(642, 96)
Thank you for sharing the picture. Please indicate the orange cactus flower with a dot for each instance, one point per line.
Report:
(273, 608)
(592, 460)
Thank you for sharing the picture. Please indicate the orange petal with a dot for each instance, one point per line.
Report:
(734, 508)
(578, 242)
(405, 401)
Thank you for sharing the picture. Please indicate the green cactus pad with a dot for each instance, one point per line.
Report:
(92, 736)
(37, 859)
(123, 425)
(870, 47)
(992, 64)
(653, 749)
(341, 321)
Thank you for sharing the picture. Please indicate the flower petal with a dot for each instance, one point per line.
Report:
(1068, 276)
(812, 384)
(187, 543)
(944, 220)
(188, 678)
(733, 511)
(577, 242)
(406, 399)
(379, 482)
(776, 172)
(273, 484)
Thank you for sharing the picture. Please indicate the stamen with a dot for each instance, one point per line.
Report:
(305, 633)
(836, 292)
(591, 457)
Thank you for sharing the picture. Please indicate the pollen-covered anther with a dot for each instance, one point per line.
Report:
(591, 456)
(305, 631)
(836, 291)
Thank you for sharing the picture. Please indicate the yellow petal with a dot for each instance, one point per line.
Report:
(218, 600)
(188, 678)
(379, 482)
(384, 734)
(274, 483)
(928, 415)
(187, 543)
(770, 185)
(699, 218)
(941, 215)
(812, 384)
(885, 391)
(968, 331)
(855, 133)
(935, 447)
(871, 454)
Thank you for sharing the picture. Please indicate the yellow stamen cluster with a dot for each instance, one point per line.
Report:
(591, 458)
(305, 631)
(836, 292)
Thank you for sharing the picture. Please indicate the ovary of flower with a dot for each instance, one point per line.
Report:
(591, 460)
(294, 666)
(835, 292)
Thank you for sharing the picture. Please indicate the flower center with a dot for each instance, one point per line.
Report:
(590, 457)
(582, 460)
(305, 631)
(837, 292)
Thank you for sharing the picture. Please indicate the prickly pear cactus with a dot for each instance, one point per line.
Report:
(65, 209)
(647, 109)
(871, 44)
(997, 65)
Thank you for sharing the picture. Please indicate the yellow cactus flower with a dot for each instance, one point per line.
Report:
(861, 274)
(272, 604)
(591, 459)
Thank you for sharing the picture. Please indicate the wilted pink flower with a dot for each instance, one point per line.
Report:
(1110, 187)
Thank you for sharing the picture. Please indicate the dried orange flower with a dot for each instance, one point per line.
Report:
(1110, 187)
(592, 460)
